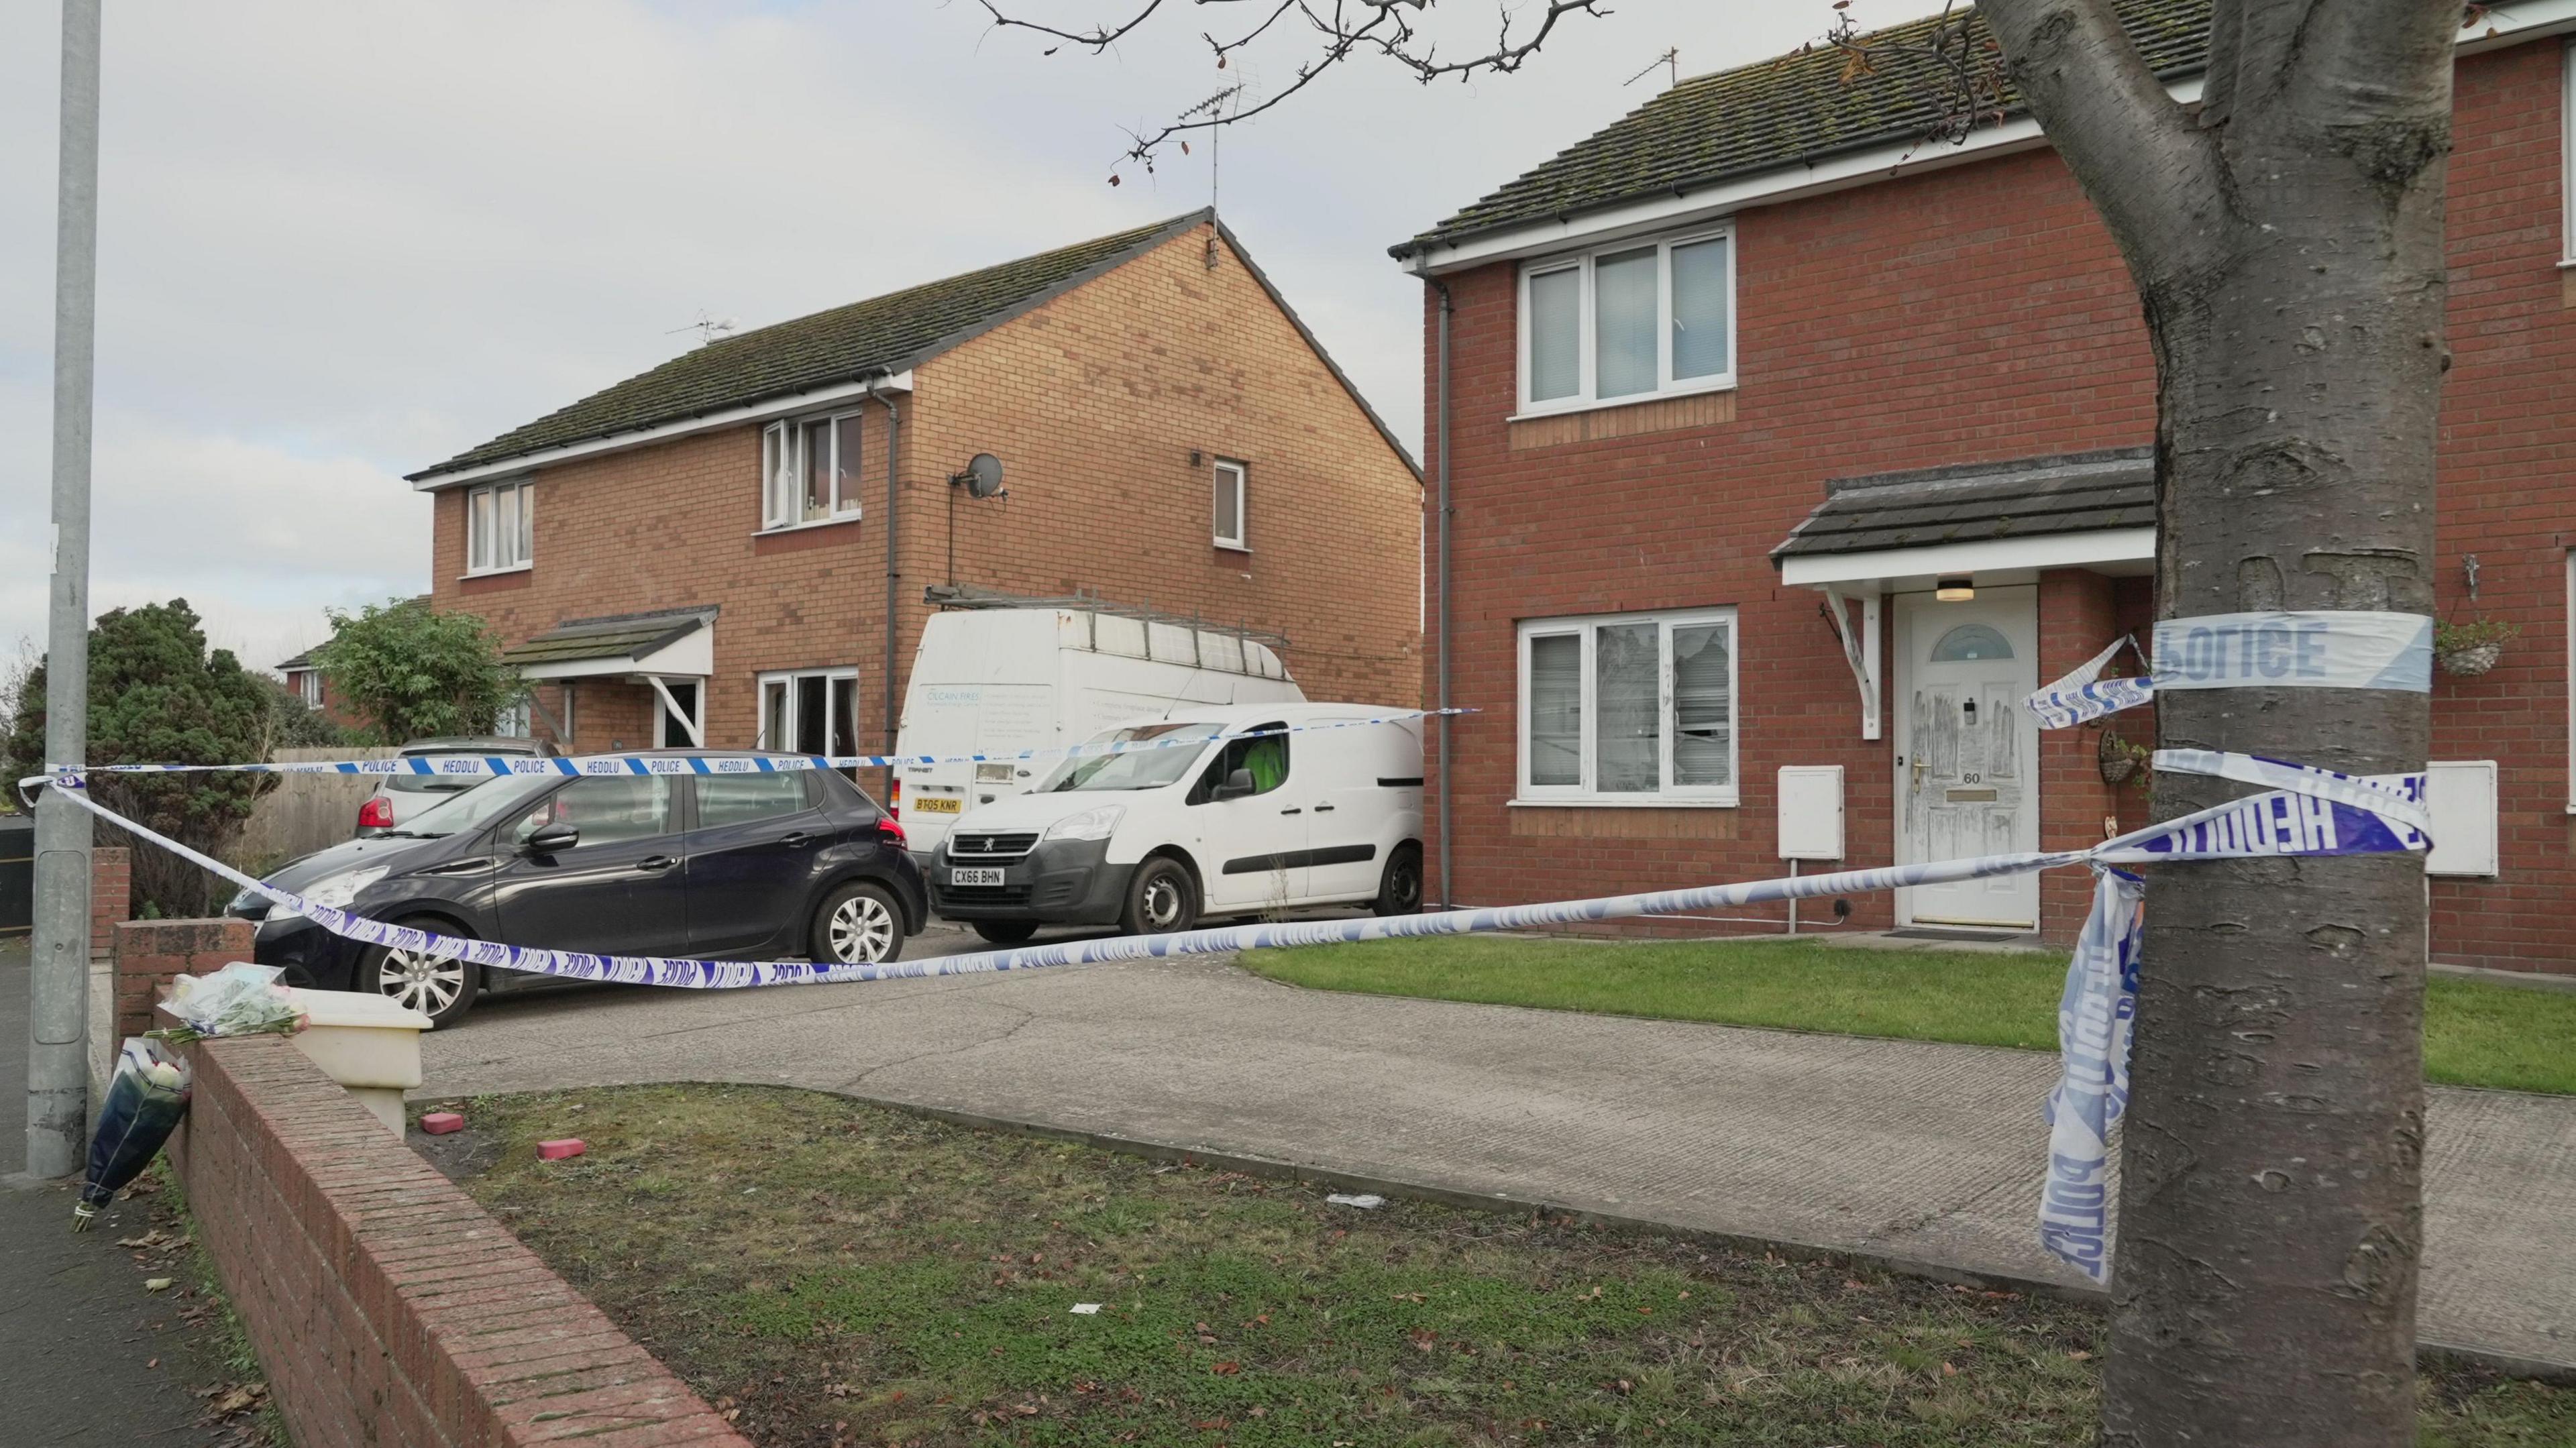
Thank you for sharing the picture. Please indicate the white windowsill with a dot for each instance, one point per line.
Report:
(835, 521)
(496, 572)
(1634, 399)
(1648, 802)
(1231, 547)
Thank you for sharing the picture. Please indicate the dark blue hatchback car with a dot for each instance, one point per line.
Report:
(790, 865)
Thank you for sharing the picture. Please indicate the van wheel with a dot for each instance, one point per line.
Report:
(858, 924)
(1161, 899)
(1399, 890)
(443, 990)
(1005, 932)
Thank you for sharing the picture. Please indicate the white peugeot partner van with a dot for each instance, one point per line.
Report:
(1251, 810)
(1002, 680)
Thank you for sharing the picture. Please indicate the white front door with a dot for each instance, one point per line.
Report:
(1967, 753)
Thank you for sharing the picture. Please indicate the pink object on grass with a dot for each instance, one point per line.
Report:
(440, 1123)
(558, 1150)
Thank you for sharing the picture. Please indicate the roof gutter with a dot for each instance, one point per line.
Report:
(1837, 170)
(751, 412)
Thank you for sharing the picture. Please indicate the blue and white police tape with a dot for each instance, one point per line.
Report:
(2307, 649)
(2310, 812)
(752, 762)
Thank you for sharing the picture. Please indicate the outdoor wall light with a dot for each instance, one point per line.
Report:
(1955, 590)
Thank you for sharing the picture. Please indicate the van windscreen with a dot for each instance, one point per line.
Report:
(1138, 768)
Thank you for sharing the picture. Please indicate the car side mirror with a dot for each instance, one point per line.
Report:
(1236, 786)
(551, 839)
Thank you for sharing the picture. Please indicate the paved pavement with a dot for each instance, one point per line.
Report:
(1927, 1153)
(86, 1356)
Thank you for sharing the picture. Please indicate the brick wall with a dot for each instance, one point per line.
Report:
(111, 896)
(1094, 403)
(386, 1307)
(149, 953)
(1982, 313)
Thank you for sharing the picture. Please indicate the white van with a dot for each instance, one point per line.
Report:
(1212, 826)
(1003, 680)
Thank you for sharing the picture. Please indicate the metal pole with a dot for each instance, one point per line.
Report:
(1448, 882)
(58, 986)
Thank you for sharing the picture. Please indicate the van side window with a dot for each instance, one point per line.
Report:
(1265, 758)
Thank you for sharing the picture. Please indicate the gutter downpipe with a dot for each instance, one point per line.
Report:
(893, 568)
(1448, 887)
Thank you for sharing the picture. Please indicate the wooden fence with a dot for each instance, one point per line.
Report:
(306, 812)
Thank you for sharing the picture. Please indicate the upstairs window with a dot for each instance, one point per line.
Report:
(1232, 485)
(308, 687)
(810, 471)
(500, 526)
(1629, 322)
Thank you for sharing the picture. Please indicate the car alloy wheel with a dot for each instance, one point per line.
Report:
(418, 981)
(862, 930)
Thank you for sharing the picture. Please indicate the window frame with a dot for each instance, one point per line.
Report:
(1586, 394)
(2567, 160)
(786, 437)
(761, 717)
(1666, 794)
(308, 687)
(1241, 542)
(480, 550)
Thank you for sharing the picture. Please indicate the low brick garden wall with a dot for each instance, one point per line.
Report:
(386, 1307)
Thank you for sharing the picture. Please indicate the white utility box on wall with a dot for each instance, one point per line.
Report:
(1811, 812)
(368, 1044)
(2461, 797)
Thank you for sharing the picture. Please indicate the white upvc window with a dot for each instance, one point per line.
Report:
(810, 711)
(1233, 501)
(500, 526)
(308, 687)
(1630, 708)
(513, 722)
(809, 470)
(1628, 322)
(2567, 155)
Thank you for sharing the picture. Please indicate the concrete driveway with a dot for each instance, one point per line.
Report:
(1924, 1154)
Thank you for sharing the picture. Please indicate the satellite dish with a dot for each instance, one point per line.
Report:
(983, 476)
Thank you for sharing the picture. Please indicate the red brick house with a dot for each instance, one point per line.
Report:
(1757, 355)
(710, 551)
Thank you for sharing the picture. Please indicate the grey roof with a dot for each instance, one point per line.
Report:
(303, 660)
(1799, 107)
(618, 636)
(849, 344)
(1979, 502)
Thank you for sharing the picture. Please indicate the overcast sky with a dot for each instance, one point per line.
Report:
(343, 239)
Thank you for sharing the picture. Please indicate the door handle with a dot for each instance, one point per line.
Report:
(1292, 811)
(1324, 809)
(655, 864)
(796, 839)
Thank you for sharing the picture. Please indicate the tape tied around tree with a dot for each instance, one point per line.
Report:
(2302, 811)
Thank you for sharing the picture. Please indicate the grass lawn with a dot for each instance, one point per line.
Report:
(2475, 1033)
(835, 1273)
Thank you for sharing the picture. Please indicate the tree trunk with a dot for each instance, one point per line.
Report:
(2287, 242)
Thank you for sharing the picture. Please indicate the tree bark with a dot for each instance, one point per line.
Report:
(2287, 245)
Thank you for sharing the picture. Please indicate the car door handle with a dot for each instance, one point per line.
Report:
(1292, 811)
(1324, 809)
(796, 839)
(655, 864)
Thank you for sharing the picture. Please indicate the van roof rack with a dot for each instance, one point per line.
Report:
(967, 595)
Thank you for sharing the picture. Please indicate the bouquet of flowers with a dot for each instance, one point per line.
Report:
(144, 1103)
(238, 1000)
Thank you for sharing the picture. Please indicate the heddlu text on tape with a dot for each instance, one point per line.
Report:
(2327, 649)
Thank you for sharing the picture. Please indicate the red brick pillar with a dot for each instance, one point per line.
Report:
(2078, 616)
(149, 953)
(111, 888)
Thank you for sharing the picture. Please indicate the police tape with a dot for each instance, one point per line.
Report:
(2304, 649)
(463, 765)
(2307, 811)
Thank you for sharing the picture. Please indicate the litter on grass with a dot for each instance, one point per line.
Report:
(1086, 1309)
(1365, 1201)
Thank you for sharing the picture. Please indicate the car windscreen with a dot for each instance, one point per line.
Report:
(1149, 768)
(476, 808)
